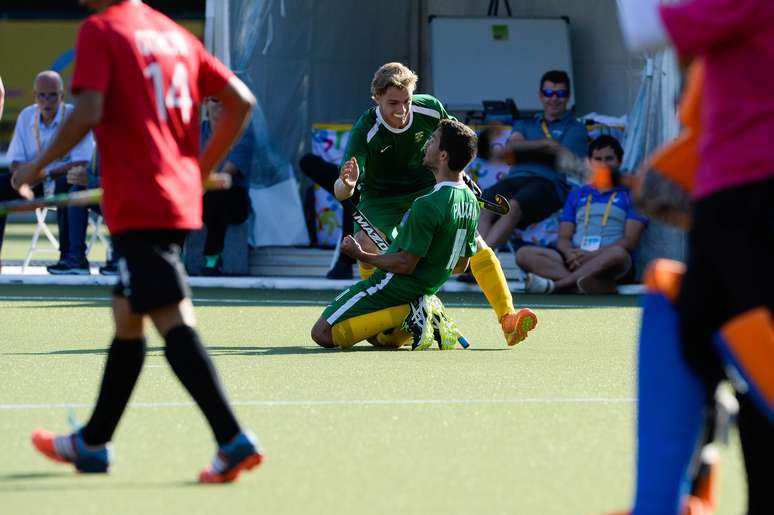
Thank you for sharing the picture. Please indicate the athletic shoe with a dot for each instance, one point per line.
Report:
(341, 270)
(517, 325)
(65, 268)
(71, 448)
(535, 283)
(241, 453)
(445, 331)
(419, 323)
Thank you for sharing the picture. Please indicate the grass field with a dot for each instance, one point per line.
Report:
(542, 428)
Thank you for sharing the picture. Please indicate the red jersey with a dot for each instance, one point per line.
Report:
(153, 74)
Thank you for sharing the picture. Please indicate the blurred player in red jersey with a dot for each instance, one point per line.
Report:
(139, 79)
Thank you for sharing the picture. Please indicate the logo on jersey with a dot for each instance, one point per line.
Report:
(382, 151)
(420, 136)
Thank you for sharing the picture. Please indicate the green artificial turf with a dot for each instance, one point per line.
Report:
(542, 428)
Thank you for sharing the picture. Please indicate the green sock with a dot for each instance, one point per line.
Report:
(211, 261)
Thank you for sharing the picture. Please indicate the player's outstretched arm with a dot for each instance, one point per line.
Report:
(344, 187)
(237, 101)
(398, 263)
(85, 116)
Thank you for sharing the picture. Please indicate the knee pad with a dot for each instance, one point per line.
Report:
(746, 345)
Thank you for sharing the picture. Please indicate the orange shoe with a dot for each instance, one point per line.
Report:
(71, 448)
(241, 453)
(517, 325)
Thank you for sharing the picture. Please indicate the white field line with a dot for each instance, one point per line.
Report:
(347, 402)
(268, 302)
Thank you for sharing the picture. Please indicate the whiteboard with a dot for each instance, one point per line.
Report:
(490, 58)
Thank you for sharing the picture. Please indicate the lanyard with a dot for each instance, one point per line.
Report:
(544, 126)
(607, 210)
(37, 124)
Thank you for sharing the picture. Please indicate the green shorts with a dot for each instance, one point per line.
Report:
(380, 291)
(386, 213)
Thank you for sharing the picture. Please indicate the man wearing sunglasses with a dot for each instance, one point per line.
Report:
(533, 187)
(36, 126)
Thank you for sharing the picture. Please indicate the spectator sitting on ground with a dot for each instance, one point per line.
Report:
(35, 128)
(598, 233)
(533, 188)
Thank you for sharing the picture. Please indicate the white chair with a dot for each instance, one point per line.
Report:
(95, 222)
(41, 227)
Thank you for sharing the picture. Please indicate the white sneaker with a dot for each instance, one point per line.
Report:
(535, 283)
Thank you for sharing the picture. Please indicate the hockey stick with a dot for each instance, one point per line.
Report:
(499, 207)
(367, 226)
(83, 198)
(718, 421)
(78, 198)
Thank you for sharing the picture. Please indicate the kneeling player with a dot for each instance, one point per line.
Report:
(436, 241)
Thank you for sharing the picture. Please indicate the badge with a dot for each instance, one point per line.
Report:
(591, 243)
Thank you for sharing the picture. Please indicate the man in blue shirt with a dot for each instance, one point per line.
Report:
(598, 233)
(533, 187)
(36, 126)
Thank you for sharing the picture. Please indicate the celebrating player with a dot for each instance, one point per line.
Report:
(386, 145)
(139, 78)
(436, 240)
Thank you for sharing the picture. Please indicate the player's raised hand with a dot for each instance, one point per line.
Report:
(350, 173)
(350, 247)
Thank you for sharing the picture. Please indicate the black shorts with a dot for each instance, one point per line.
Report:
(537, 197)
(729, 270)
(151, 274)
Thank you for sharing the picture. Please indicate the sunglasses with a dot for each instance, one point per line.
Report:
(47, 96)
(560, 93)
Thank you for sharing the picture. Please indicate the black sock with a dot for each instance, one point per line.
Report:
(192, 365)
(122, 368)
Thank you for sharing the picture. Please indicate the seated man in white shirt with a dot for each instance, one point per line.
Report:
(35, 128)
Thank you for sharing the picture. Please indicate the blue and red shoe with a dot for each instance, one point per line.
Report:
(241, 453)
(71, 448)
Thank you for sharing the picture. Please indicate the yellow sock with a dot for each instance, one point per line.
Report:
(365, 272)
(355, 329)
(490, 277)
(394, 340)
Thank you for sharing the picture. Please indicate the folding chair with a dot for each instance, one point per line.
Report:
(41, 227)
(95, 222)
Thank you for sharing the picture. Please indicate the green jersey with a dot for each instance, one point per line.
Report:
(440, 228)
(390, 159)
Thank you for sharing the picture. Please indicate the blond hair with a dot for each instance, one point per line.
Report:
(396, 75)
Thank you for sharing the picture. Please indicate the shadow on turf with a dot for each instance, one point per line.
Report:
(218, 350)
(32, 475)
(84, 484)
